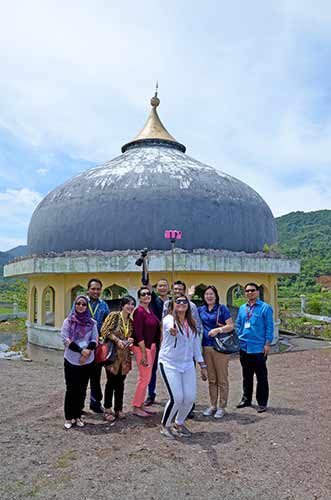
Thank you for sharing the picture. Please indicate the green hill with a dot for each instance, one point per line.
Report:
(306, 236)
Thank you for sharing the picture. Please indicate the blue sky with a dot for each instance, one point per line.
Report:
(244, 85)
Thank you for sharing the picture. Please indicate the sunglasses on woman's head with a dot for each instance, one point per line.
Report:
(145, 294)
(81, 304)
(181, 301)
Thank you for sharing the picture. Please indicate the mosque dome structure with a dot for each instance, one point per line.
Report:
(96, 224)
(128, 203)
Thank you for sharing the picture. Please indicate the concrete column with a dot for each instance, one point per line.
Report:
(60, 309)
(303, 303)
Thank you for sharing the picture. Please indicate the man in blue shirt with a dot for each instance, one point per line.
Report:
(99, 311)
(255, 327)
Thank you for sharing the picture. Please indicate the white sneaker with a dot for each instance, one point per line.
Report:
(209, 411)
(219, 413)
(166, 432)
(79, 422)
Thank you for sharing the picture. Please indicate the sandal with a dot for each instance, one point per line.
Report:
(149, 411)
(108, 416)
(138, 412)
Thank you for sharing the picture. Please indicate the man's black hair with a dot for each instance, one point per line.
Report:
(179, 282)
(252, 284)
(96, 280)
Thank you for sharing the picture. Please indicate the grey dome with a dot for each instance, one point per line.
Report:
(130, 201)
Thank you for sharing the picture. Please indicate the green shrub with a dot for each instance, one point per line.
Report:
(314, 307)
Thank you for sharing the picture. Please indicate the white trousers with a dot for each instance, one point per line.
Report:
(182, 392)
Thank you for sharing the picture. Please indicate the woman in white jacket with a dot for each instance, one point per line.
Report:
(180, 348)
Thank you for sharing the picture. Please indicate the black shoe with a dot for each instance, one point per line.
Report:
(149, 401)
(243, 404)
(261, 409)
(191, 415)
(96, 407)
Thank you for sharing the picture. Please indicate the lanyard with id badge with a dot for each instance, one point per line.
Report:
(249, 312)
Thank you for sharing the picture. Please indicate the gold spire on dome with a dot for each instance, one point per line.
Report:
(154, 132)
(154, 128)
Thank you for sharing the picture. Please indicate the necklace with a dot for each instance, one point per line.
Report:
(125, 326)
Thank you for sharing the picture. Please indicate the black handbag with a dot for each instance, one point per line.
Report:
(226, 343)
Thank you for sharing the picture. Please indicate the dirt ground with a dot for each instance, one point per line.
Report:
(282, 454)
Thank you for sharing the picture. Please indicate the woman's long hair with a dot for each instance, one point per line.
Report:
(188, 315)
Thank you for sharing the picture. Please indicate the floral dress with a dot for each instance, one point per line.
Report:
(116, 328)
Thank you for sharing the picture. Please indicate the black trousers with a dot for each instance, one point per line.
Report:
(95, 383)
(76, 379)
(255, 363)
(114, 385)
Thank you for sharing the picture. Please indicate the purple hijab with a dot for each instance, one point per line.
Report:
(80, 323)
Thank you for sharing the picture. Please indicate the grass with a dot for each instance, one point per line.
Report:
(13, 326)
(21, 345)
(65, 460)
(6, 310)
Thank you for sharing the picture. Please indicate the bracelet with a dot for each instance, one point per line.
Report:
(203, 366)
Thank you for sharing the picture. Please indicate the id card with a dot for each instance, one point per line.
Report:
(247, 324)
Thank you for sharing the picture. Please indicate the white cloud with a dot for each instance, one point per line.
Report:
(245, 85)
(42, 171)
(16, 207)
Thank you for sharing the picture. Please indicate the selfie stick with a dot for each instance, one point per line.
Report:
(173, 235)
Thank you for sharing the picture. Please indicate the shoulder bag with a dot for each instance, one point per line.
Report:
(226, 343)
(105, 352)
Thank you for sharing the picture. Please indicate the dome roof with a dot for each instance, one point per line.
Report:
(130, 201)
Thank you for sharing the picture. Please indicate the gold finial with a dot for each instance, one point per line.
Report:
(154, 128)
(155, 101)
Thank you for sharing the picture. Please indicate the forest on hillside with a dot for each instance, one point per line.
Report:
(306, 236)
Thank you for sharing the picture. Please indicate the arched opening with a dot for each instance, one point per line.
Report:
(235, 297)
(114, 292)
(48, 306)
(75, 291)
(262, 292)
(112, 295)
(34, 305)
(198, 295)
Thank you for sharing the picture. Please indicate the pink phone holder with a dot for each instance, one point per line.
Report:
(173, 234)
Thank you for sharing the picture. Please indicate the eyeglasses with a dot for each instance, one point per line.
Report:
(181, 301)
(81, 304)
(251, 290)
(145, 294)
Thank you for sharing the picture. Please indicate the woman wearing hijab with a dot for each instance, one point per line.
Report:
(118, 327)
(80, 336)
